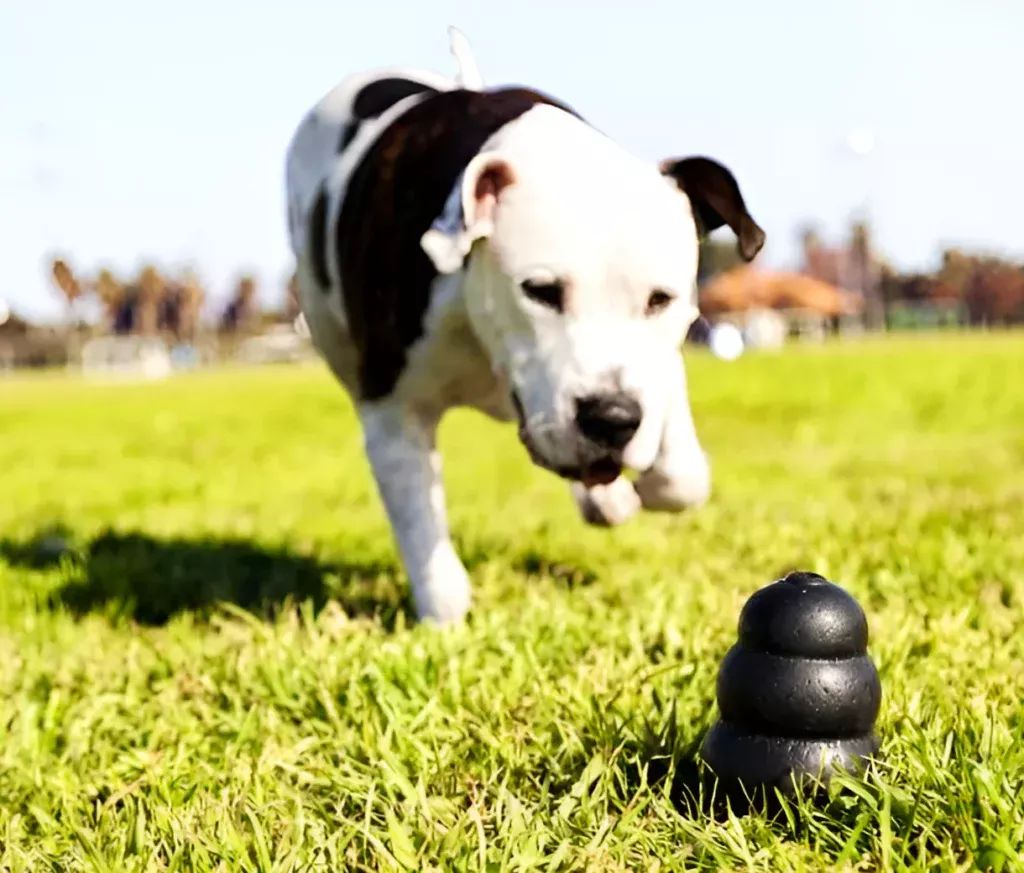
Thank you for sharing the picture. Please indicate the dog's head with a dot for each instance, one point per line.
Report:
(580, 280)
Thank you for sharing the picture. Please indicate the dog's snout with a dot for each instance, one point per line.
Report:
(609, 420)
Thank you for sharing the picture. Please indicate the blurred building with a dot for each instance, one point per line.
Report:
(747, 288)
(805, 306)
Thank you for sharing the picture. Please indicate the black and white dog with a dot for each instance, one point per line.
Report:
(459, 245)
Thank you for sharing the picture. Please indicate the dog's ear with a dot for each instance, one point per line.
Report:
(716, 199)
(468, 214)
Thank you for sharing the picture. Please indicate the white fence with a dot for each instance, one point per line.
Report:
(131, 357)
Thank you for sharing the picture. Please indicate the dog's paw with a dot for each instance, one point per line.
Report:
(443, 595)
(673, 491)
(607, 505)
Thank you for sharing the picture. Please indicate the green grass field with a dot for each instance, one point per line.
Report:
(219, 670)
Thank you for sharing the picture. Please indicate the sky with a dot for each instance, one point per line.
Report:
(132, 130)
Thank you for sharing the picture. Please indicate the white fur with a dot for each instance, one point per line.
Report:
(580, 208)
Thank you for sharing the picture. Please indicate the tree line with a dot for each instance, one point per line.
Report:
(153, 303)
(984, 289)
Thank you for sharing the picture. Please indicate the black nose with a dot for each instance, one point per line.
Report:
(609, 420)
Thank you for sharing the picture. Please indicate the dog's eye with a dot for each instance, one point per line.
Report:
(658, 301)
(546, 293)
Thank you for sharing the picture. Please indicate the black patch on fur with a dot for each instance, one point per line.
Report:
(348, 133)
(318, 240)
(376, 98)
(398, 189)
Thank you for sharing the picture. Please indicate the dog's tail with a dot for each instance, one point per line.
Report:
(468, 74)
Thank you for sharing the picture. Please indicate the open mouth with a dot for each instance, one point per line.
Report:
(600, 471)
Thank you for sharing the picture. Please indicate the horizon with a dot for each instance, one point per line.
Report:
(159, 135)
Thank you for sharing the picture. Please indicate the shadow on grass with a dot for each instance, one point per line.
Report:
(653, 754)
(696, 792)
(47, 549)
(536, 566)
(149, 580)
(694, 789)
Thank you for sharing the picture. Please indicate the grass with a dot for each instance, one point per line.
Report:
(207, 660)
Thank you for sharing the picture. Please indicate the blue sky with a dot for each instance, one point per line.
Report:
(131, 129)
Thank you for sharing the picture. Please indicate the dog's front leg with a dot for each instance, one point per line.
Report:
(681, 475)
(401, 446)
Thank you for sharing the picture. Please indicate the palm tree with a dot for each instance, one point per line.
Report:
(192, 297)
(111, 293)
(151, 285)
(66, 281)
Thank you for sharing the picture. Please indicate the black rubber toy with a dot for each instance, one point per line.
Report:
(798, 695)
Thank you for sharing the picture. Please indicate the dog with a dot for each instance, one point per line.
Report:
(461, 245)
